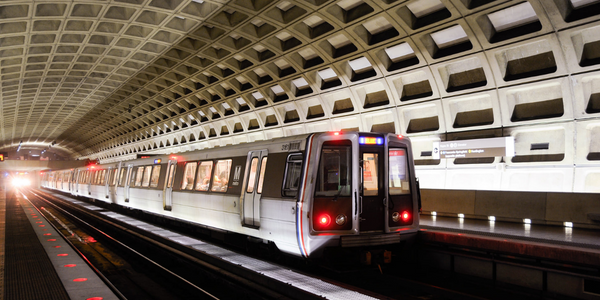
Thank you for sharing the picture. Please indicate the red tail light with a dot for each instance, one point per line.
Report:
(405, 216)
(324, 220)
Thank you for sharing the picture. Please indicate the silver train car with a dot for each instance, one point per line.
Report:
(303, 193)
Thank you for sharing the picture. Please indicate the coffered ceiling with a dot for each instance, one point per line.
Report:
(103, 79)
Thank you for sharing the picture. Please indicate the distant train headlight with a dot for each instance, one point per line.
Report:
(21, 182)
(395, 216)
(340, 220)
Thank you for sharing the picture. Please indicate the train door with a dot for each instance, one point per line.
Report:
(254, 178)
(168, 189)
(72, 182)
(69, 176)
(373, 192)
(91, 177)
(107, 182)
(113, 184)
(74, 177)
(128, 182)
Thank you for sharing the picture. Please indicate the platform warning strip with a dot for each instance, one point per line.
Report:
(29, 273)
(39, 263)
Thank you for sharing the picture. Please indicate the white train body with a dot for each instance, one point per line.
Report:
(303, 193)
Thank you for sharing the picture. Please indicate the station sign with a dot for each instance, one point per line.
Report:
(503, 146)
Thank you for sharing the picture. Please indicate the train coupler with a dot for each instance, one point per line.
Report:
(379, 256)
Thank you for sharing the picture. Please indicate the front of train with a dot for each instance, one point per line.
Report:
(359, 191)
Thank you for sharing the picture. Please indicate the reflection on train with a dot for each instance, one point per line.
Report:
(302, 193)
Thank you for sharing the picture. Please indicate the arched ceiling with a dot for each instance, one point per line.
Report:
(96, 76)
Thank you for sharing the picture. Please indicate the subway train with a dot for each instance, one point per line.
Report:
(303, 193)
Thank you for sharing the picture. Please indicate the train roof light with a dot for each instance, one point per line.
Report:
(364, 140)
(173, 157)
(157, 161)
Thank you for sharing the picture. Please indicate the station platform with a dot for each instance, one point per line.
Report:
(567, 244)
(37, 262)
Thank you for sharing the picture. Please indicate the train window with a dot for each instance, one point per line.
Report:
(113, 177)
(370, 174)
(204, 172)
(94, 177)
(399, 180)
(147, 172)
(171, 174)
(132, 177)
(103, 177)
(252, 175)
(122, 177)
(293, 169)
(220, 182)
(155, 175)
(138, 177)
(334, 174)
(188, 176)
(261, 178)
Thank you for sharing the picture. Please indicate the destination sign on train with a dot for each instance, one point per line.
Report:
(503, 146)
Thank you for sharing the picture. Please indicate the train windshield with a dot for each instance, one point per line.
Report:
(398, 171)
(334, 176)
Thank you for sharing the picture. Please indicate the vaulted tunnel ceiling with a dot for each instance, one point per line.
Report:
(97, 76)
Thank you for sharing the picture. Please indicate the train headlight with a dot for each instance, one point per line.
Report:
(395, 216)
(340, 220)
(18, 182)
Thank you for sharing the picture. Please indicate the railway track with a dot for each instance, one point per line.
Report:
(138, 267)
(403, 279)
